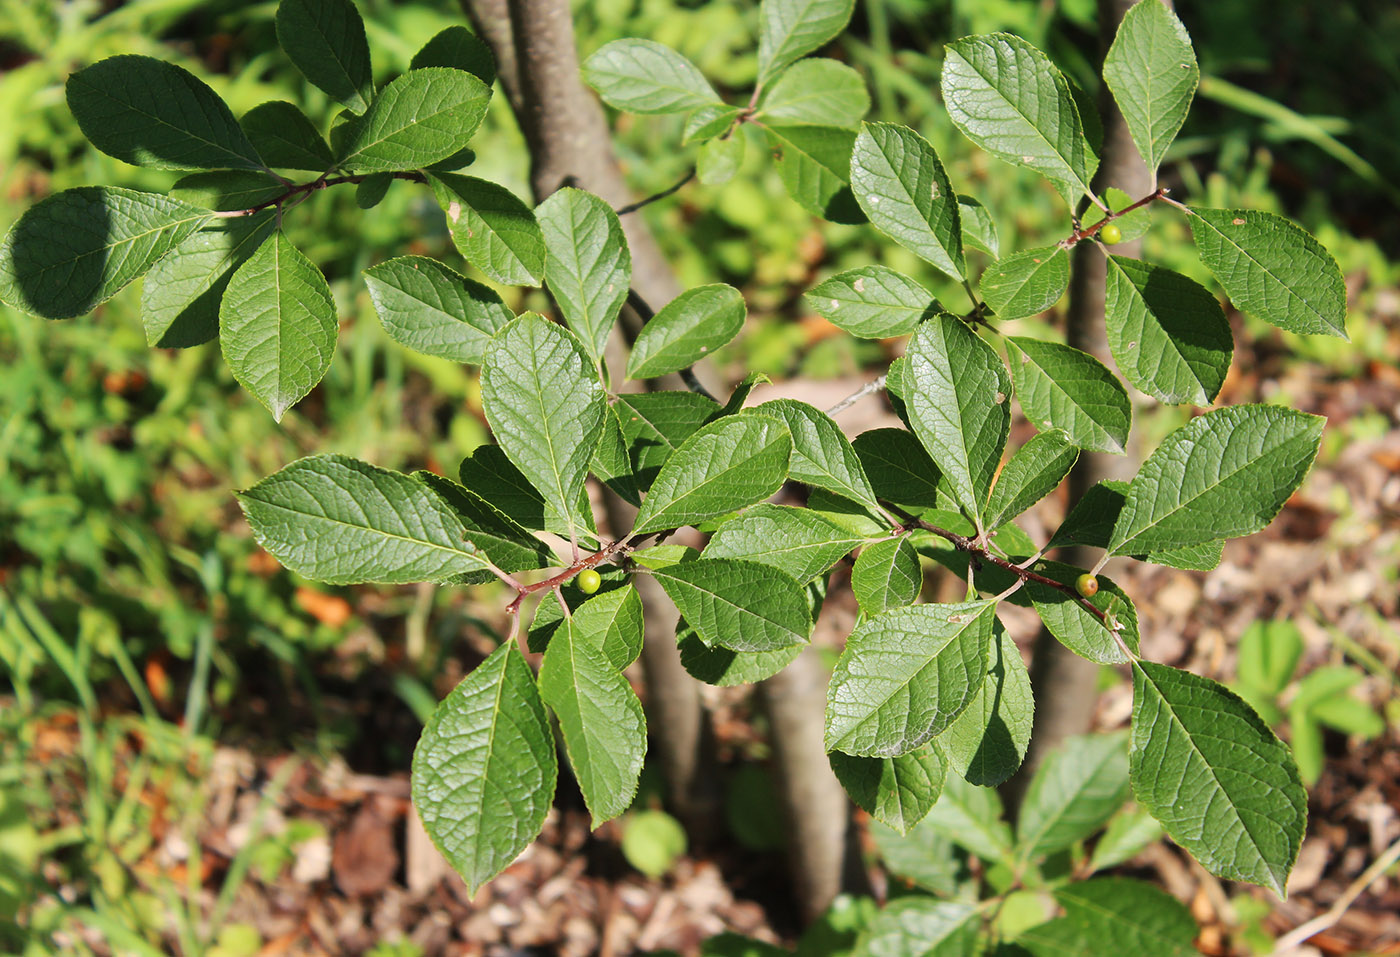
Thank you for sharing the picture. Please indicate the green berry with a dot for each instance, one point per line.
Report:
(1111, 234)
(588, 581)
(1087, 585)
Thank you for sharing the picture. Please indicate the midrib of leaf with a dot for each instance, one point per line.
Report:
(659, 433)
(743, 609)
(243, 161)
(1114, 917)
(1141, 299)
(1059, 390)
(1063, 809)
(789, 144)
(124, 242)
(975, 505)
(1172, 716)
(1286, 287)
(366, 528)
(339, 63)
(568, 509)
(496, 713)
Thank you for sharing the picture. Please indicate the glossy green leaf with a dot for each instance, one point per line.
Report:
(1167, 333)
(1152, 72)
(817, 92)
(905, 676)
(181, 296)
(971, 817)
(277, 325)
(795, 540)
(724, 668)
(902, 187)
(492, 229)
(979, 229)
(1272, 269)
(484, 769)
(1091, 523)
(76, 249)
(1034, 471)
(493, 476)
(1026, 283)
(790, 29)
(687, 329)
(641, 76)
(730, 463)
(227, 189)
(325, 39)
(719, 160)
(1077, 628)
(1222, 475)
(1222, 784)
(821, 454)
(422, 117)
(371, 190)
(988, 741)
(605, 731)
(458, 48)
(739, 605)
(545, 407)
(338, 520)
(873, 302)
(1062, 388)
(508, 544)
(886, 575)
(897, 792)
(148, 112)
(1136, 917)
(612, 462)
(1079, 785)
(1009, 99)
(959, 405)
(900, 470)
(921, 927)
(588, 267)
(612, 621)
(814, 163)
(285, 138)
(708, 121)
(434, 310)
(655, 424)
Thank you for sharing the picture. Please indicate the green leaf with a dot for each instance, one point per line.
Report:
(719, 160)
(794, 540)
(1074, 626)
(75, 250)
(277, 325)
(1091, 523)
(1152, 72)
(612, 463)
(1272, 269)
(1137, 918)
(821, 454)
(1222, 784)
(1269, 653)
(1033, 472)
(905, 676)
(815, 165)
(727, 669)
(1009, 99)
(924, 857)
(227, 189)
(180, 299)
(1127, 835)
(508, 544)
(1167, 332)
(148, 112)
(612, 621)
(655, 424)
(900, 184)
(1062, 388)
(484, 769)
(429, 308)
(492, 229)
(817, 92)
(921, 927)
(873, 302)
(492, 476)
(1027, 283)
(730, 463)
(708, 121)
(971, 817)
(325, 39)
(285, 138)
(958, 400)
(1222, 475)
(686, 329)
(458, 48)
(422, 117)
(790, 29)
(588, 266)
(899, 469)
(338, 520)
(1081, 783)
(371, 190)
(979, 229)
(740, 395)
(604, 729)
(739, 605)
(988, 741)
(545, 408)
(641, 76)
(886, 575)
(897, 792)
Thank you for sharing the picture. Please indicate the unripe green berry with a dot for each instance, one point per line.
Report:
(1087, 585)
(1111, 234)
(588, 581)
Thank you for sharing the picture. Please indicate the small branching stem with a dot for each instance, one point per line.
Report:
(647, 201)
(609, 551)
(300, 191)
(1087, 232)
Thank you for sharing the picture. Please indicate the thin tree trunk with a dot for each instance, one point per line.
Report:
(1064, 684)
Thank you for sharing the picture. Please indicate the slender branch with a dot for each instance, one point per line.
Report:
(1290, 941)
(633, 207)
(874, 385)
(303, 190)
(609, 551)
(1085, 232)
